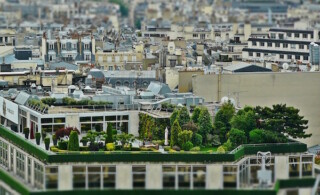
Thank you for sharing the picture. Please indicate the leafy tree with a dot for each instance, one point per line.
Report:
(237, 137)
(205, 124)
(222, 120)
(183, 116)
(196, 114)
(174, 116)
(125, 138)
(187, 146)
(73, 144)
(196, 139)
(245, 121)
(283, 119)
(109, 138)
(175, 130)
(184, 136)
(190, 126)
(256, 136)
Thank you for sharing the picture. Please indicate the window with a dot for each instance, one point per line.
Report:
(138, 176)
(199, 177)
(202, 36)
(297, 57)
(285, 45)
(262, 44)
(86, 46)
(87, 57)
(301, 46)
(258, 54)
(94, 177)
(288, 34)
(79, 176)
(4, 154)
(289, 57)
(110, 68)
(184, 177)
(269, 44)
(100, 59)
(250, 53)
(51, 177)
(230, 176)
(281, 56)
(273, 35)
(51, 46)
(281, 36)
(305, 57)
(277, 44)
(294, 166)
(63, 46)
(117, 59)
(254, 43)
(20, 168)
(195, 35)
(134, 58)
(109, 59)
(38, 175)
(169, 177)
(109, 176)
(304, 35)
(296, 35)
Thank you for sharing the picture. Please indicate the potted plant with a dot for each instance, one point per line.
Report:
(54, 139)
(26, 132)
(38, 136)
(44, 135)
(84, 141)
(47, 142)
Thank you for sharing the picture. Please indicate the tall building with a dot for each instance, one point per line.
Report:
(314, 54)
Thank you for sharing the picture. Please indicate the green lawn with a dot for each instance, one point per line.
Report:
(205, 149)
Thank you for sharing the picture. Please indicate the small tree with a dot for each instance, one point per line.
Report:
(109, 138)
(175, 130)
(222, 120)
(73, 144)
(245, 121)
(174, 116)
(196, 139)
(205, 124)
(190, 126)
(237, 137)
(184, 116)
(256, 136)
(196, 114)
(184, 136)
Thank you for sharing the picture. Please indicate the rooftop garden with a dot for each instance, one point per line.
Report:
(44, 104)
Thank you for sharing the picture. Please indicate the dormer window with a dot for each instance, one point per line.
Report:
(86, 46)
(63, 46)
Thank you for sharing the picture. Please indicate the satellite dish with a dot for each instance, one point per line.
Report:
(285, 66)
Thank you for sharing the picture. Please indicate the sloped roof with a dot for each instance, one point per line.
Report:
(22, 98)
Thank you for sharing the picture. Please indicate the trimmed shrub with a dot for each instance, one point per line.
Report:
(38, 136)
(109, 138)
(110, 147)
(127, 147)
(63, 145)
(47, 142)
(175, 130)
(166, 148)
(73, 144)
(187, 146)
(195, 149)
(26, 132)
(221, 150)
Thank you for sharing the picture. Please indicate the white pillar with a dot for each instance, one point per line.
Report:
(124, 176)
(281, 167)
(214, 178)
(154, 176)
(65, 177)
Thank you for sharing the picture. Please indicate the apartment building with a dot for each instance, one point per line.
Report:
(282, 45)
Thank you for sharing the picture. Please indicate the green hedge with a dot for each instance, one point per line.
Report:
(41, 154)
(24, 144)
(160, 192)
(295, 183)
(14, 184)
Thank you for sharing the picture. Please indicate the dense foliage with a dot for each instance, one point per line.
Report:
(152, 128)
(73, 144)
